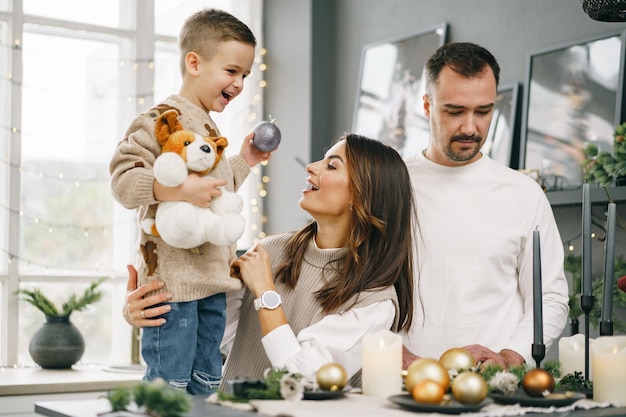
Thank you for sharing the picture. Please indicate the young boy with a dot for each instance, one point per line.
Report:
(217, 52)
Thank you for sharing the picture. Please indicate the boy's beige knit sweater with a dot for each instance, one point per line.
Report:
(189, 274)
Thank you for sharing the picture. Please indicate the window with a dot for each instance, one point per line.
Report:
(71, 80)
(5, 134)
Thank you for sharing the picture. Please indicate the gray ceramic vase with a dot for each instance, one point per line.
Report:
(58, 344)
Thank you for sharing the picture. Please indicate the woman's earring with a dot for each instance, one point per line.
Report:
(351, 207)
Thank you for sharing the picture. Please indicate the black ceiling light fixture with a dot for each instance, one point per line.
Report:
(605, 10)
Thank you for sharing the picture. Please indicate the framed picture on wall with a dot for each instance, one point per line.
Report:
(574, 95)
(502, 143)
(391, 85)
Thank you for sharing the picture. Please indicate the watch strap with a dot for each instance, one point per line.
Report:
(260, 303)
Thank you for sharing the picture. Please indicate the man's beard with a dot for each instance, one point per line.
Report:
(466, 154)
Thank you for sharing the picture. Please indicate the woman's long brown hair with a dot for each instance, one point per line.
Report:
(380, 249)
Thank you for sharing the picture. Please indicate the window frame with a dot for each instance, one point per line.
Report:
(142, 40)
(18, 21)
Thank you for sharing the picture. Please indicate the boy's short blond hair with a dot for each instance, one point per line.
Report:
(206, 29)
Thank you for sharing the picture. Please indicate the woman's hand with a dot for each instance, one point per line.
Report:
(137, 310)
(255, 270)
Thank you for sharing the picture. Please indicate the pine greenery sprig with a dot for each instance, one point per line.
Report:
(574, 382)
(156, 398)
(119, 399)
(266, 389)
(47, 307)
(552, 366)
(160, 400)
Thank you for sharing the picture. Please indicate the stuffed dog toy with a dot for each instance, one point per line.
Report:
(179, 223)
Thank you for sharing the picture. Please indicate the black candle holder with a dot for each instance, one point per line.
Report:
(586, 304)
(606, 328)
(538, 352)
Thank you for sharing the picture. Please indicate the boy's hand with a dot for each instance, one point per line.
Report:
(199, 190)
(196, 190)
(252, 155)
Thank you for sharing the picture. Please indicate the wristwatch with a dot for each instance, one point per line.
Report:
(269, 300)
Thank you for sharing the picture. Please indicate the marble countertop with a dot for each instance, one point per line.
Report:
(28, 381)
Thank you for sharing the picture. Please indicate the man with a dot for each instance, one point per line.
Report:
(476, 217)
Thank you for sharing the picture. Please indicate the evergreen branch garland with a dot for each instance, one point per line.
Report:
(603, 167)
(572, 265)
(553, 367)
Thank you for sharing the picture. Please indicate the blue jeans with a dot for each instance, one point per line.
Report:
(185, 351)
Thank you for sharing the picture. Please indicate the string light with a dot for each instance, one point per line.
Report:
(595, 222)
(69, 225)
(135, 64)
(57, 231)
(59, 176)
(62, 270)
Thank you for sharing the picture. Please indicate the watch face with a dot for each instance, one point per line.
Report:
(271, 299)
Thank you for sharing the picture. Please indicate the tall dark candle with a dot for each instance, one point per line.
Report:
(586, 255)
(537, 296)
(609, 265)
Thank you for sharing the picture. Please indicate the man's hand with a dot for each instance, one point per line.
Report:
(138, 307)
(512, 358)
(485, 356)
(407, 357)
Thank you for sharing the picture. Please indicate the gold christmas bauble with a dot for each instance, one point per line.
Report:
(537, 381)
(469, 388)
(458, 359)
(427, 392)
(332, 377)
(426, 368)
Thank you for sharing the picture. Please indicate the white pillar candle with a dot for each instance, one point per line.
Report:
(572, 355)
(382, 364)
(609, 369)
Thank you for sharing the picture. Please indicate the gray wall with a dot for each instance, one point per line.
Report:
(288, 99)
(510, 29)
(314, 55)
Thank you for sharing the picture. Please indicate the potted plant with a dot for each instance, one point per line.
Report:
(58, 344)
(603, 167)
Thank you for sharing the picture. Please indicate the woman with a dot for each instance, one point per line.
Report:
(312, 295)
